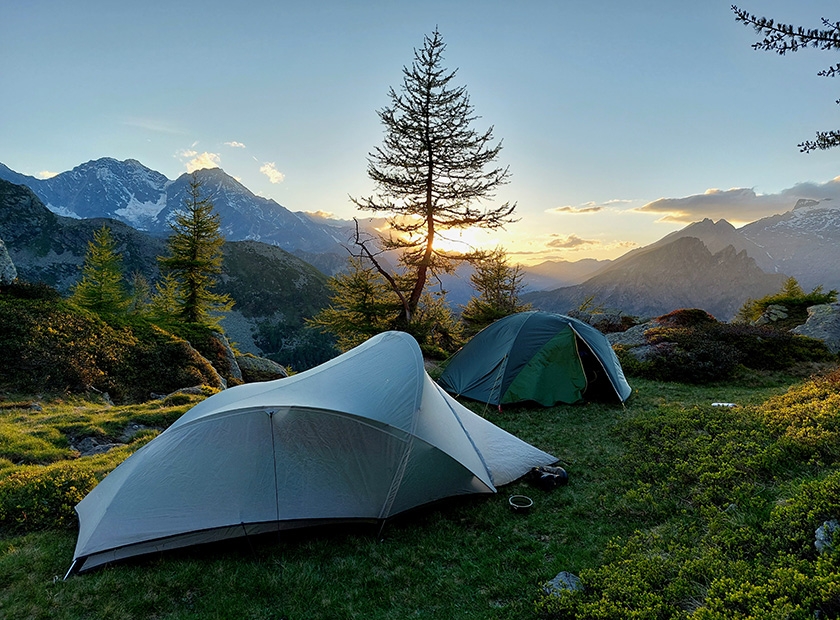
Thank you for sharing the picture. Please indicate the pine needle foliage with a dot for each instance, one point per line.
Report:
(430, 172)
(101, 288)
(498, 284)
(195, 259)
(784, 38)
(792, 297)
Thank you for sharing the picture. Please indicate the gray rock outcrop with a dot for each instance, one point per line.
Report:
(564, 581)
(8, 273)
(824, 536)
(771, 314)
(231, 370)
(823, 324)
(259, 369)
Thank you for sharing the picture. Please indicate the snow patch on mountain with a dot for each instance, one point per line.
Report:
(63, 211)
(141, 215)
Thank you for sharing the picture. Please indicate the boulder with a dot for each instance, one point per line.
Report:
(633, 337)
(824, 536)
(823, 324)
(605, 320)
(259, 368)
(564, 581)
(771, 314)
(228, 366)
(8, 273)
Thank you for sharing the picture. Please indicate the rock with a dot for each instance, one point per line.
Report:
(563, 582)
(823, 324)
(8, 273)
(771, 314)
(823, 537)
(259, 368)
(231, 370)
(633, 337)
(606, 320)
(132, 429)
(91, 445)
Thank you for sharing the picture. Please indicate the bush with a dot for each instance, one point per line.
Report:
(687, 317)
(807, 417)
(795, 301)
(55, 348)
(690, 346)
(42, 497)
(20, 289)
(725, 541)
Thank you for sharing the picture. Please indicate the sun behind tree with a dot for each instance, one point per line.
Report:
(430, 173)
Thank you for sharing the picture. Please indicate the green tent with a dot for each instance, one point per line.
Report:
(536, 356)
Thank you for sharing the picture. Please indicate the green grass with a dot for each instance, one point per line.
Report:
(469, 557)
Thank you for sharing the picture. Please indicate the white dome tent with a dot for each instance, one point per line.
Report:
(362, 437)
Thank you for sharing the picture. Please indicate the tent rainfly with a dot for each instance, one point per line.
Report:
(535, 356)
(362, 437)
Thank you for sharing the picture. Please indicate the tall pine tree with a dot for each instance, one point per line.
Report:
(429, 173)
(101, 288)
(195, 259)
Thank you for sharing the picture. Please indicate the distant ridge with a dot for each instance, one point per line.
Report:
(274, 290)
(144, 199)
(679, 274)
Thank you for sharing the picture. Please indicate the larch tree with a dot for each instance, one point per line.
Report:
(195, 260)
(101, 288)
(430, 174)
(784, 38)
(499, 285)
(362, 305)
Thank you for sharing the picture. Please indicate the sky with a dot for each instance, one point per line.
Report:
(621, 121)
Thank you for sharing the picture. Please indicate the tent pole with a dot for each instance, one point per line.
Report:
(71, 570)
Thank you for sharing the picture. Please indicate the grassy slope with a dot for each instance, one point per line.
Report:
(467, 558)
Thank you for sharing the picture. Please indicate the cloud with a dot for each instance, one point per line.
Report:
(234, 144)
(739, 205)
(590, 207)
(569, 209)
(324, 215)
(47, 174)
(572, 241)
(203, 160)
(271, 171)
(153, 125)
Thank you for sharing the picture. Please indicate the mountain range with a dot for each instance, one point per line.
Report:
(273, 290)
(146, 200)
(714, 266)
(718, 271)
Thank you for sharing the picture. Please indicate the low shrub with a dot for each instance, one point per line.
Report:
(807, 417)
(733, 516)
(53, 347)
(33, 497)
(690, 346)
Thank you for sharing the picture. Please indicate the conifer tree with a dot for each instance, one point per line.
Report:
(429, 174)
(195, 259)
(101, 288)
(498, 284)
(362, 305)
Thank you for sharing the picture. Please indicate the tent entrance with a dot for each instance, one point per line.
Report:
(598, 385)
(553, 374)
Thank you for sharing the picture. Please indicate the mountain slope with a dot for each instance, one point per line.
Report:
(130, 192)
(273, 290)
(680, 274)
(803, 243)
